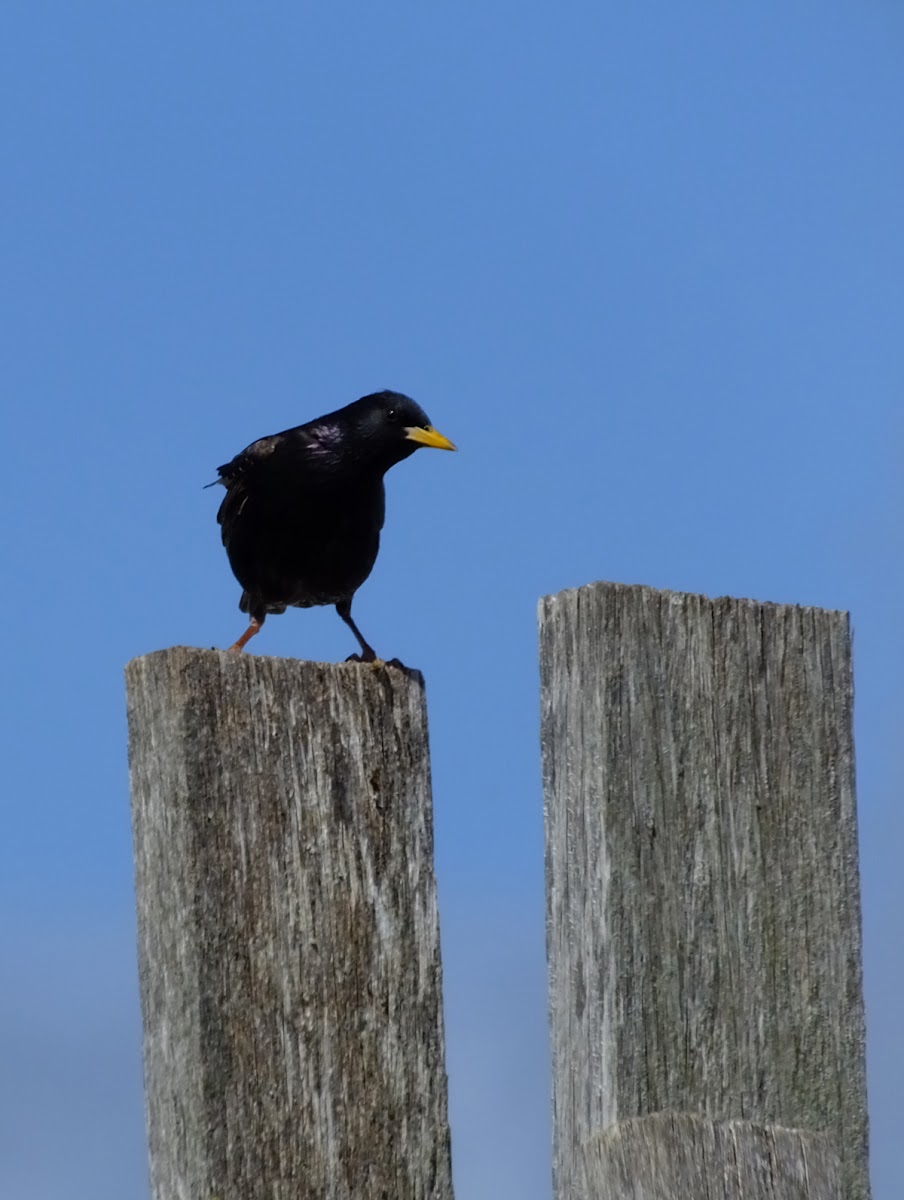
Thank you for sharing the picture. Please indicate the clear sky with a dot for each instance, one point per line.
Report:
(642, 262)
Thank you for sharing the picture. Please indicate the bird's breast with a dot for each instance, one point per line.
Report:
(303, 546)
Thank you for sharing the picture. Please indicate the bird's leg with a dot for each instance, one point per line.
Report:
(368, 654)
(239, 646)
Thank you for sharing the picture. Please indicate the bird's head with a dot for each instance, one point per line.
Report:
(392, 426)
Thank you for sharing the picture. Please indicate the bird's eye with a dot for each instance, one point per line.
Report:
(392, 414)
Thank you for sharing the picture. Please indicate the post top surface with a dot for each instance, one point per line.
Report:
(644, 591)
(224, 660)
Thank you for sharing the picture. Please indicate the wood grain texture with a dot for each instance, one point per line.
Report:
(288, 934)
(703, 912)
(682, 1156)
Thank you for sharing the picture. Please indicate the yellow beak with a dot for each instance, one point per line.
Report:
(428, 436)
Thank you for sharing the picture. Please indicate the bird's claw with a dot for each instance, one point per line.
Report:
(376, 662)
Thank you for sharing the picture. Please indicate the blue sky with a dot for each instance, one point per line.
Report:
(643, 263)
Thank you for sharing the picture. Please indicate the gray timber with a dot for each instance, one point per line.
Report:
(703, 909)
(673, 1156)
(288, 934)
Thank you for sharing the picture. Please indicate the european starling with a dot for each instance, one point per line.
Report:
(303, 509)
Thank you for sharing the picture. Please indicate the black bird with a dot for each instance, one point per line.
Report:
(303, 509)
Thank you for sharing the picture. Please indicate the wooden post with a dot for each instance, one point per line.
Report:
(703, 913)
(672, 1156)
(288, 936)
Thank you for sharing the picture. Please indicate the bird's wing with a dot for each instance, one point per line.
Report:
(296, 454)
(237, 474)
(251, 457)
(231, 506)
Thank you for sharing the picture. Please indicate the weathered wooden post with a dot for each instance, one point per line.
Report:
(703, 914)
(288, 935)
(684, 1156)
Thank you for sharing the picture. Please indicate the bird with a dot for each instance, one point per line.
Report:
(303, 509)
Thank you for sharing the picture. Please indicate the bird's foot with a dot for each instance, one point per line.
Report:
(376, 662)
